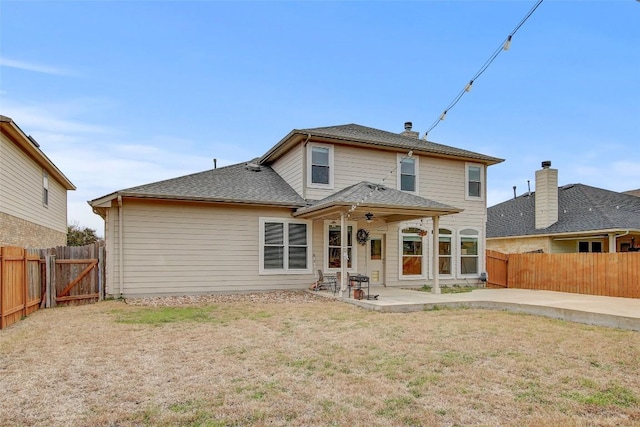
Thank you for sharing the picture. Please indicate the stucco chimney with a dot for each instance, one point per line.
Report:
(408, 132)
(546, 196)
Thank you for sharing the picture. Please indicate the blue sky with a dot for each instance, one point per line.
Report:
(123, 93)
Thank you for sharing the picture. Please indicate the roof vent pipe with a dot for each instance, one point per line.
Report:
(215, 163)
(514, 192)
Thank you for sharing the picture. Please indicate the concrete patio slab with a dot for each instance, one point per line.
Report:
(623, 313)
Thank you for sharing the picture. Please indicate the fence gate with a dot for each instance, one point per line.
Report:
(72, 275)
(497, 269)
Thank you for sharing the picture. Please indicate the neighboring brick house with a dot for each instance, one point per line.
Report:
(317, 198)
(570, 218)
(33, 192)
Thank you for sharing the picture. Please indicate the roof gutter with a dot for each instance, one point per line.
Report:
(119, 195)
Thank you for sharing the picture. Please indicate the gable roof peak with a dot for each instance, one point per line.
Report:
(355, 134)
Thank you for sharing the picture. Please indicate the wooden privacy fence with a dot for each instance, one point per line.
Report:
(606, 274)
(32, 279)
(20, 285)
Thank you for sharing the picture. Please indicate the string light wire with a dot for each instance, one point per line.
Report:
(503, 46)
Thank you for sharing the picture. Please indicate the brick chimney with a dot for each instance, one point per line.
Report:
(546, 196)
(408, 132)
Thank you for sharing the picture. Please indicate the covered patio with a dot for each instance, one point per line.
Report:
(368, 201)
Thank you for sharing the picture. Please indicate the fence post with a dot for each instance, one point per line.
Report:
(50, 276)
(25, 282)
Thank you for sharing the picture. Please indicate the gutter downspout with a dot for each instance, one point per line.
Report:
(120, 247)
(613, 241)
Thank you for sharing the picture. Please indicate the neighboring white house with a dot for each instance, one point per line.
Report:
(273, 222)
(33, 192)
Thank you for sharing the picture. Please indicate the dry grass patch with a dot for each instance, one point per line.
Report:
(298, 359)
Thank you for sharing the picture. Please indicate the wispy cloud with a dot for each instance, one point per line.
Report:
(36, 68)
(100, 159)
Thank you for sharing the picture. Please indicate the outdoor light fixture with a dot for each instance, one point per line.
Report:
(507, 43)
(369, 217)
(468, 86)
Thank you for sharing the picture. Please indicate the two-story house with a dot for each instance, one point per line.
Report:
(402, 210)
(33, 192)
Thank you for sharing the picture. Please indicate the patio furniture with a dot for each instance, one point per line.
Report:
(325, 283)
(356, 281)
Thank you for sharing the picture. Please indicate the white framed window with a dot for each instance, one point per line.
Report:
(320, 166)
(590, 246)
(445, 252)
(45, 188)
(285, 246)
(333, 246)
(413, 253)
(469, 239)
(408, 173)
(474, 178)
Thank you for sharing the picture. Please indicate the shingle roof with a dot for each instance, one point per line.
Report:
(376, 137)
(376, 195)
(581, 209)
(240, 183)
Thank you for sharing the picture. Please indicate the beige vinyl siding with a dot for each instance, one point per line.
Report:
(443, 180)
(21, 190)
(174, 249)
(291, 168)
(353, 165)
(111, 224)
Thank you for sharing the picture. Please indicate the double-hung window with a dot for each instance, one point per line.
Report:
(285, 246)
(45, 188)
(320, 161)
(469, 259)
(474, 179)
(408, 176)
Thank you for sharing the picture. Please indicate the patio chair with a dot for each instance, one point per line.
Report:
(325, 283)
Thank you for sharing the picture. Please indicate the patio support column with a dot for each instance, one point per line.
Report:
(344, 254)
(612, 242)
(435, 255)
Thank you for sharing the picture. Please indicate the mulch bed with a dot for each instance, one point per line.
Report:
(270, 297)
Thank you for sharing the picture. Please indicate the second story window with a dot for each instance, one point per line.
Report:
(408, 177)
(45, 188)
(320, 172)
(474, 181)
